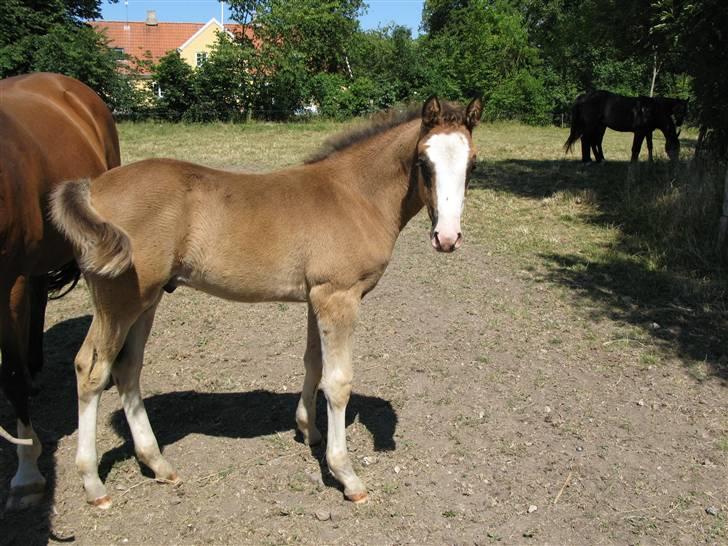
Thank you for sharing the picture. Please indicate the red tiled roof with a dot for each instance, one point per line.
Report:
(151, 42)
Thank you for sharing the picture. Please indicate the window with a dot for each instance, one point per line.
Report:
(201, 57)
(118, 53)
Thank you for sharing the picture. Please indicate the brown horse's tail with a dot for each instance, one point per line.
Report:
(577, 128)
(102, 248)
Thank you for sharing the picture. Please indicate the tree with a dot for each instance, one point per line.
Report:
(299, 39)
(482, 48)
(25, 23)
(223, 83)
(50, 35)
(176, 81)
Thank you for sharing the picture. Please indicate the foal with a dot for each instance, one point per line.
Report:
(322, 232)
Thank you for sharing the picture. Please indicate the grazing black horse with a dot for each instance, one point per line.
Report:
(593, 112)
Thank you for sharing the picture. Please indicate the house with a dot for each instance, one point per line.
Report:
(150, 40)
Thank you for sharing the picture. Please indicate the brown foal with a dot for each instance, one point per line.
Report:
(322, 233)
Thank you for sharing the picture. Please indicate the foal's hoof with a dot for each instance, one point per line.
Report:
(171, 479)
(357, 498)
(25, 496)
(104, 503)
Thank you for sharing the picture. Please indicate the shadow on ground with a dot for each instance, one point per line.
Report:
(173, 416)
(245, 415)
(685, 314)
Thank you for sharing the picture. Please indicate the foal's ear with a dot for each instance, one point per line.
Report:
(473, 113)
(431, 111)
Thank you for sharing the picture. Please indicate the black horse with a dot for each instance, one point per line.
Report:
(593, 112)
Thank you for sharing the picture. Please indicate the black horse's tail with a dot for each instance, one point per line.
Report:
(57, 279)
(577, 128)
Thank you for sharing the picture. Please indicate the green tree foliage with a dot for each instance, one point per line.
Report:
(394, 60)
(697, 32)
(176, 80)
(50, 35)
(482, 48)
(24, 24)
(223, 84)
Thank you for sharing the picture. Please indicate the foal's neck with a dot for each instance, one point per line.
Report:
(381, 169)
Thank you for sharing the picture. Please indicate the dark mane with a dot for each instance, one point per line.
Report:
(451, 114)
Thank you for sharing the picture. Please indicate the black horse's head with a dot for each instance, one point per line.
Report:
(667, 115)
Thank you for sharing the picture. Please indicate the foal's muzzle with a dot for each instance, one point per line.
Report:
(446, 243)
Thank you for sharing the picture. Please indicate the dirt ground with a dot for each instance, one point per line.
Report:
(493, 403)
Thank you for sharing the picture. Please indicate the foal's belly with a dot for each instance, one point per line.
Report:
(249, 288)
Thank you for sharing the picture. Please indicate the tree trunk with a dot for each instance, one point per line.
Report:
(655, 70)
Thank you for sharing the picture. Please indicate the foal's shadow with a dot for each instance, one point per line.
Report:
(245, 415)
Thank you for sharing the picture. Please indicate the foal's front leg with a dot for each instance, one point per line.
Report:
(306, 411)
(336, 313)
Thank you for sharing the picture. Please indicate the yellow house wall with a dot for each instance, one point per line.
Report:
(202, 42)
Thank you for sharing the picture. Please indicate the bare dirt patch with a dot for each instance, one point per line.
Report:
(493, 402)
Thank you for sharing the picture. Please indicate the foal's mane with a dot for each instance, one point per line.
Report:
(381, 123)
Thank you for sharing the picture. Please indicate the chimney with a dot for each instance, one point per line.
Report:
(151, 20)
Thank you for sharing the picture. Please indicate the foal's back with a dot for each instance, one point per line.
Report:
(247, 237)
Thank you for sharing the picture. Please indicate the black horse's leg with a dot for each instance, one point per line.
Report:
(585, 154)
(600, 138)
(637, 146)
(648, 136)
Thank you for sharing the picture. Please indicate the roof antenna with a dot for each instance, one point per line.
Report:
(222, 13)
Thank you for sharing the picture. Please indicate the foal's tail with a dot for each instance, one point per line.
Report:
(103, 248)
(577, 128)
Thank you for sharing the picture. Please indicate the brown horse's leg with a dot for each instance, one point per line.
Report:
(126, 372)
(306, 411)
(28, 485)
(113, 317)
(336, 313)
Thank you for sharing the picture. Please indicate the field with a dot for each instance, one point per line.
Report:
(553, 382)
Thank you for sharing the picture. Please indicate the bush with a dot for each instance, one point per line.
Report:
(521, 96)
(341, 98)
(176, 80)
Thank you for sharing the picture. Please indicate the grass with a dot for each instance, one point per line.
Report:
(633, 244)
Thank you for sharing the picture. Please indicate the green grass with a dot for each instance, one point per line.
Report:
(635, 244)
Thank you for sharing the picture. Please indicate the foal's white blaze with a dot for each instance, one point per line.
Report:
(449, 154)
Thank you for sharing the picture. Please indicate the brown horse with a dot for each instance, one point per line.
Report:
(52, 128)
(321, 233)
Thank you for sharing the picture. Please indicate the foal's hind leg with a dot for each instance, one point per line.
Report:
(306, 411)
(336, 313)
(126, 372)
(94, 361)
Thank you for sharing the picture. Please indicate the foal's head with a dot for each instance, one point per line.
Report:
(445, 159)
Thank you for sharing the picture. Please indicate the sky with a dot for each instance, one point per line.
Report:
(380, 13)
